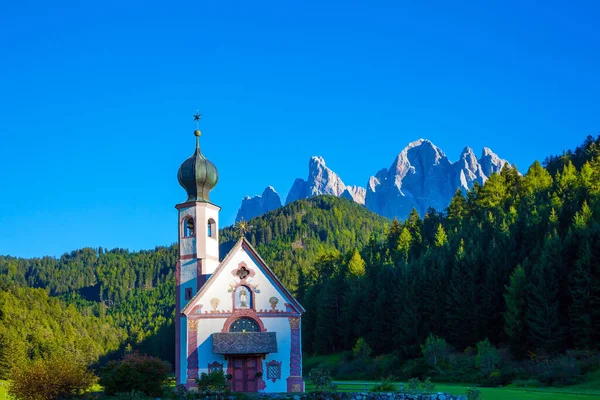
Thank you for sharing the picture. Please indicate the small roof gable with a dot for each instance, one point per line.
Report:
(242, 243)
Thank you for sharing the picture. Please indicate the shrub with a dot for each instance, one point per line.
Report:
(135, 373)
(213, 383)
(49, 379)
(321, 379)
(427, 386)
(436, 351)
(488, 359)
(473, 394)
(386, 385)
(361, 349)
(130, 396)
(414, 384)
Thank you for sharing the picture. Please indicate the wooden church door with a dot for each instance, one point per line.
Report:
(244, 374)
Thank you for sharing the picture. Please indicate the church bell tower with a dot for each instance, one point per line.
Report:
(198, 231)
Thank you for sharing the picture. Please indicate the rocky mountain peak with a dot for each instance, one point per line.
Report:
(259, 205)
(490, 162)
(420, 177)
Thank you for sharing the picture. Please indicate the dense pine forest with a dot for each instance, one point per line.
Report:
(515, 261)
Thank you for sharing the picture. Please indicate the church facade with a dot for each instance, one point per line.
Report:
(232, 312)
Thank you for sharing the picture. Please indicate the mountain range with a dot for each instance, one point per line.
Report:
(420, 177)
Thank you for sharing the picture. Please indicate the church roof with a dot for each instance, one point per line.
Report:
(244, 343)
(242, 243)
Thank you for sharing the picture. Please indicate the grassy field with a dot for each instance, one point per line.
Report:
(588, 390)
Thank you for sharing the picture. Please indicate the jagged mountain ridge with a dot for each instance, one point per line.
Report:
(420, 177)
(259, 205)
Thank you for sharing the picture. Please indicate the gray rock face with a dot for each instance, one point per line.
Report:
(321, 180)
(355, 193)
(490, 162)
(420, 177)
(258, 205)
(468, 171)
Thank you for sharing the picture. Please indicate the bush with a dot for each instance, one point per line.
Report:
(473, 394)
(135, 373)
(414, 384)
(488, 359)
(361, 349)
(436, 351)
(130, 396)
(386, 385)
(427, 386)
(524, 383)
(213, 383)
(49, 379)
(321, 379)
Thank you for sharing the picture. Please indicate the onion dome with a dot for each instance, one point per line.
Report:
(197, 175)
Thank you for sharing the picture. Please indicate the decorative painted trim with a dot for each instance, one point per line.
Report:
(243, 265)
(227, 313)
(193, 325)
(192, 359)
(277, 373)
(295, 382)
(247, 286)
(197, 310)
(188, 204)
(188, 256)
(245, 246)
(178, 318)
(247, 313)
(215, 365)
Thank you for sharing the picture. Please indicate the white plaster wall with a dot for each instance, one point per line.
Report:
(221, 284)
(187, 279)
(207, 247)
(280, 325)
(206, 327)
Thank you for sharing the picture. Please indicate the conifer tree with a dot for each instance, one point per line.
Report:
(543, 321)
(514, 316)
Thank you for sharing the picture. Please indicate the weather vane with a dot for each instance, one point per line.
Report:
(243, 227)
(197, 117)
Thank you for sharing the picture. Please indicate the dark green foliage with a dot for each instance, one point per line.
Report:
(515, 260)
(135, 373)
(321, 379)
(473, 394)
(50, 379)
(386, 385)
(214, 383)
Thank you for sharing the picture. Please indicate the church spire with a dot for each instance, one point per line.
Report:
(197, 175)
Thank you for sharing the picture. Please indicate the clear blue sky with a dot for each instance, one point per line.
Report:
(96, 100)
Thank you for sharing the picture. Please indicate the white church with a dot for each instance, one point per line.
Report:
(232, 312)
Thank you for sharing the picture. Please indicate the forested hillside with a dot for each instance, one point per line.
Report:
(516, 261)
(131, 295)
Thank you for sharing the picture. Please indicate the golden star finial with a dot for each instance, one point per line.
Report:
(243, 227)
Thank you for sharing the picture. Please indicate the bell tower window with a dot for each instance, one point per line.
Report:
(188, 227)
(211, 228)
